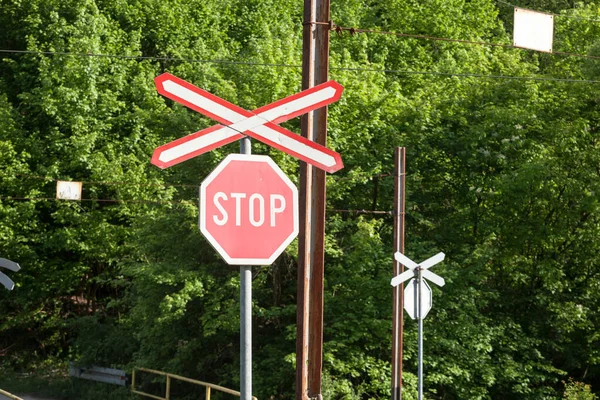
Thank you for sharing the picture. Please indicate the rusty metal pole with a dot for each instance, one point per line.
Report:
(398, 291)
(311, 239)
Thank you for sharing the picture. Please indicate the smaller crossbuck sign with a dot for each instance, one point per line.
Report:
(412, 292)
(260, 124)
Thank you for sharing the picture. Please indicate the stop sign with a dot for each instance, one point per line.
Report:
(248, 210)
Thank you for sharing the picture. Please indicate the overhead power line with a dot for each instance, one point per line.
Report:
(556, 15)
(154, 58)
(358, 212)
(165, 185)
(15, 198)
(332, 68)
(48, 178)
(354, 31)
(470, 75)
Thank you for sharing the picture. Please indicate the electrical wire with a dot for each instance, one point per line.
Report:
(186, 202)
(545, 12)
(354, 31)
(471, 75)
(358, 212)
(334, 68)
(50, 179)
(155, 58)
(339, 29)
(98, 200)
(108, 182)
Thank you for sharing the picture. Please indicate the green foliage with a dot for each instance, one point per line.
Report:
(502, 176)
(51, 382)
(578, 391)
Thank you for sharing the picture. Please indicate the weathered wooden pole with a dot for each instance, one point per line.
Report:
(398, 291)
(311, 239)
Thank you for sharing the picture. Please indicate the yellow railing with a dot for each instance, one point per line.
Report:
(169, 376)
(8, 395)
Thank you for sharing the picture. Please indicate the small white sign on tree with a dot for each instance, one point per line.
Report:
(66, 190)
(533, 30)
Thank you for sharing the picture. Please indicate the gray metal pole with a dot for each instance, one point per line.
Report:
(245, 314)
(420, 320)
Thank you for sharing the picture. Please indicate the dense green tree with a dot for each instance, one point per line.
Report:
(503, 176)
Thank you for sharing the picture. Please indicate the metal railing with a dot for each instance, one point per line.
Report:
(6, 395)
(208, 386)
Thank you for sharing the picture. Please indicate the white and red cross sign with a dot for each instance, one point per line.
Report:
(260, 124)
(248, 210)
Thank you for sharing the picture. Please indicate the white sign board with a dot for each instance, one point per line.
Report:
(68, 190)
(533, 30)
(410, 300)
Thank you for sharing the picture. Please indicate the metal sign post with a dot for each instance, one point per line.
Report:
(262, 124)
(418, 293)
(245, 313)
(417, 302)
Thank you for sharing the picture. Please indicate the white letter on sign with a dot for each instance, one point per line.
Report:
(275, 209)
(261, 202)
(222, 221)
(238, 207)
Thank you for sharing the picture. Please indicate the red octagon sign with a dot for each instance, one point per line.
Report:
(248, 210)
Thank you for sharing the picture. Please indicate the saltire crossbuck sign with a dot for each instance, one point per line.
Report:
(235, 122)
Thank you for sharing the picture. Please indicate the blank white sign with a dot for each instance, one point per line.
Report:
(411, 302)
(68, 190)
(533, 30)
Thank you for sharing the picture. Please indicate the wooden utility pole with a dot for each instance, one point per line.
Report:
(311, 238)
(398, 291)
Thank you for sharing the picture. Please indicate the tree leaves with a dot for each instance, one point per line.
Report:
(502, 177)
